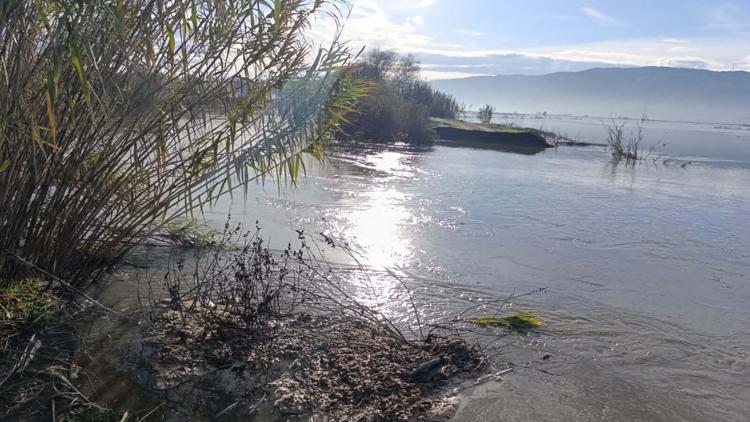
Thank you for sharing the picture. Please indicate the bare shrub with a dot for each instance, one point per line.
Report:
(299, 330)
(624, 145)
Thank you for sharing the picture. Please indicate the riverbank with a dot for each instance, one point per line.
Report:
(477, 135)
(306, 366)
(266, 335)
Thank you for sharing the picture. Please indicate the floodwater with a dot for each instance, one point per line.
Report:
(727, 143)
(646, 267)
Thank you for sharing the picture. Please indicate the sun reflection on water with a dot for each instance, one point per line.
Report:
(376, 225)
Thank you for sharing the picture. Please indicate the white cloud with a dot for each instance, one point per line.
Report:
(681, 49)
(716, 54)
(599, 16)
(415, 21)
(371, 24)
(401, 5)
(470, 33)
(440, 74)
(418, 4)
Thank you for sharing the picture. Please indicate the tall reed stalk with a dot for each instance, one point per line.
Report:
(117, 116)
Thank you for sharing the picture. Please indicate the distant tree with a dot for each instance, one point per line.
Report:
(485, 114)
(400, 104)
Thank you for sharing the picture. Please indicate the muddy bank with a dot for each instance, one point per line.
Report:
(260, 336)
(306, 367)
(458, 133)
(238, 332)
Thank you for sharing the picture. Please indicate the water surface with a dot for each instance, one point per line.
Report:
(646, 268)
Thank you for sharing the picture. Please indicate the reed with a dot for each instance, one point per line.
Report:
(117, 117)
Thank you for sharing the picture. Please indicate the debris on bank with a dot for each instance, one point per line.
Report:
(280, 336)
(314, 366)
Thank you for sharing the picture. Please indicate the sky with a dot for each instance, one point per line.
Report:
(486, 37)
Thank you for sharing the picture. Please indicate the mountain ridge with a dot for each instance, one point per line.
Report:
(659, 92)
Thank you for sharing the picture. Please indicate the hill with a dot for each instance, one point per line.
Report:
(660, 92)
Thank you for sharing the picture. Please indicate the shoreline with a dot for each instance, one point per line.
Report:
(459, 133)
(208, 363)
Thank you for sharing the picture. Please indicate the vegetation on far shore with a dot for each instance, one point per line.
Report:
(483, 127)
(399, 105)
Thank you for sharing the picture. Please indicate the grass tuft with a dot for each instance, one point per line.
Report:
(26, 303)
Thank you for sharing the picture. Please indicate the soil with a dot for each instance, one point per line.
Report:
(307, 367)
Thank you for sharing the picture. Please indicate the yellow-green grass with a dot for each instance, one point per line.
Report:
(458, 124)
(519, 321)
(26, 303)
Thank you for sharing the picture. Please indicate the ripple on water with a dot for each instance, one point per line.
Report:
(646, 268)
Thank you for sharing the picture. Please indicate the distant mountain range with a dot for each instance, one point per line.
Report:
(660, 92)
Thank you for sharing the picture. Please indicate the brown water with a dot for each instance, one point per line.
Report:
(646, 268)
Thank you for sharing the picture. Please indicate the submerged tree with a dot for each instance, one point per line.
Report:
(116, 116)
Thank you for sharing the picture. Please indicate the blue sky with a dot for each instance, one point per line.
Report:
(459, 38)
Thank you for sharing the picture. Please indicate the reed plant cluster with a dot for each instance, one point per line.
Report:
(118, 116)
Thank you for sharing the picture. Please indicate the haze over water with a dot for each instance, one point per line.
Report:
(647, 268)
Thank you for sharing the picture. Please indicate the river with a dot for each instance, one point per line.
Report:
(646, 268)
